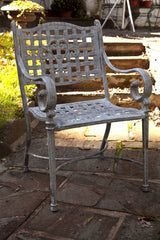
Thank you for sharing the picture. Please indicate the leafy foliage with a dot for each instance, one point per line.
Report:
(67, 4)
(26, 5)
(23, 6)
(6, 47)
(10, 96)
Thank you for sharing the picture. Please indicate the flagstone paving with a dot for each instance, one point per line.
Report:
(97, 201)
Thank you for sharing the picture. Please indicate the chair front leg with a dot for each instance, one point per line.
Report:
(27, 143)
(145, 129)
(52, 165)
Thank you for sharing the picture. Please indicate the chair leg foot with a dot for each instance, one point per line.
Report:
(54, 208)
(26, 169)
(145, 188)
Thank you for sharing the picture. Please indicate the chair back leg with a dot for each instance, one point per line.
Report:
(105, 137)
(27, 143)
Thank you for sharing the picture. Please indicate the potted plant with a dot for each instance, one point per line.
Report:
(134, 3)
(66, 7)
(23, 11)
(146, 3)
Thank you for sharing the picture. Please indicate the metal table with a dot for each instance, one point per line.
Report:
(124, 20)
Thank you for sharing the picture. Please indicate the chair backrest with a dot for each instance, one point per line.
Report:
(66, 52)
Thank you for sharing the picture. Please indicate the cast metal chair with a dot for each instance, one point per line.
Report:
(57, 54)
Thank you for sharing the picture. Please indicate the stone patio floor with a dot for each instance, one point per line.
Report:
(97, 200)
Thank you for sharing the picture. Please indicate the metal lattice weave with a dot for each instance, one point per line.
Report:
(66, 54)
(88, 112)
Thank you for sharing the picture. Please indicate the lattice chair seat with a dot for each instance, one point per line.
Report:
(59, 54)
(88, 113)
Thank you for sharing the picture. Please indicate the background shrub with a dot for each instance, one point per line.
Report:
(10, 96)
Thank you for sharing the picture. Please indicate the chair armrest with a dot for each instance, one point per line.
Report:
(147, 82)
(47, 98)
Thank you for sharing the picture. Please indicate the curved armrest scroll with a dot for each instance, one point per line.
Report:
(47, 98)
(147, 82)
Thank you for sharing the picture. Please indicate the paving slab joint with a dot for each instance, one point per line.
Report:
(116, 228)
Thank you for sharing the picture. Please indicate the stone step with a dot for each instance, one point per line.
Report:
(115, 80)
(123, 48)
(129, 62)
(118, 97)
(126, 53)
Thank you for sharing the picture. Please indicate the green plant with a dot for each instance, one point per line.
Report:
(119, 148)
(67, 4)
(6, 47)
(23, 6)
(10, 96)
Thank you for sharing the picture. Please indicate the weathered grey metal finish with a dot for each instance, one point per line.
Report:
(59, 53)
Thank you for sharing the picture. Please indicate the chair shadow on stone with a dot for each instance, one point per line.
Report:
(59, 54)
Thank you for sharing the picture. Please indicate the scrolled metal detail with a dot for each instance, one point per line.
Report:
(147, 87)
(134, 91)
(47, 98)
(147, 82)
(42, 99)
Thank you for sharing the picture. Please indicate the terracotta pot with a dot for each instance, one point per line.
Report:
(134, 3)
(24, 19)
(147, 3)
(66, 13)
(141, 3)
